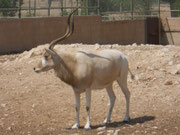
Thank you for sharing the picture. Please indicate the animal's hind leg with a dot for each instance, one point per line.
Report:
(112, 98)
(122, 81)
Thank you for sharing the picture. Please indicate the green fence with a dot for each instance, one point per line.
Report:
(109, 9)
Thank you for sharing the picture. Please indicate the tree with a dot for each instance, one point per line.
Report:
(9, 4)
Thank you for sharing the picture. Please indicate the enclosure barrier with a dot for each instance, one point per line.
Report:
(17, 35)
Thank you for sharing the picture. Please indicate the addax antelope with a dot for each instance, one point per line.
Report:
(87, 70)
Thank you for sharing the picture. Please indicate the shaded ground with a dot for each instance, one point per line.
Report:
(40, 104)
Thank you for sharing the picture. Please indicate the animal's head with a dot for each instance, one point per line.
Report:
(47, 62)
(50, 57)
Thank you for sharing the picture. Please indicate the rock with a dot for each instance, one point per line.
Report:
(150, 68)
(101, 133)
(176, 82)
(1, 123)
(162, 70)
(101, 128)
(33, 106)
(134, 44)
(9, 128)
(110, 131)
(137, 131)
(97, 46)
(178, 66)
(165, 50)
(155, 127)
(168, 83)
(170, 63)
(138, 76)
(3, 105)
(5, 115)
(175, 71)
(29, 133)
(117, 132)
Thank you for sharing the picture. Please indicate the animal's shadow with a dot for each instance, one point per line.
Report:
(133, 121)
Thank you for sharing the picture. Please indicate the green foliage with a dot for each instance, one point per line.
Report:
(176, 6)
(29, 14)
(9, 4)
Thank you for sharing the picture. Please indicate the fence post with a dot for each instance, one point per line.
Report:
(159, 10)
(61, 7)
(98, 7)
(132, 9)
(19, 14)
(34, 7)
(49, 6)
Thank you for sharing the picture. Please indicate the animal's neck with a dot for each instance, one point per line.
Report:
(64, 69)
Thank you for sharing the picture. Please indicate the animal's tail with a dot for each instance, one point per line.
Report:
(131, 74)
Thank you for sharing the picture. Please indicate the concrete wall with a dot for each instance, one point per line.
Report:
(17, 35)
(170, 33)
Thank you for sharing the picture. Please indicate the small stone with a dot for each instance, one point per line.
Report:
(1, 123)
(178, 66)
(176, 82)
(134, 44)
(162, 70)
(97, 46)
(137, 131)
(33, 106)
(155, 127)
(5, 115)
(3, 105)
(9, 128)
(168, 83)
(175, 71)
(101, 128)
(170, 63)
(110, 131)
(101, 133)
(117, 132)
(137, 77)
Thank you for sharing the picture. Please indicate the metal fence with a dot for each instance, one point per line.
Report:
(109, 9)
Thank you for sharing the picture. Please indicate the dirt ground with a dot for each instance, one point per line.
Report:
(41, 104)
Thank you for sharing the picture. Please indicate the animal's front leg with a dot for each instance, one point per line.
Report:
(77, 99)
(88, 104)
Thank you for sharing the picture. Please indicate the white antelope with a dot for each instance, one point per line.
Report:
(85, 70)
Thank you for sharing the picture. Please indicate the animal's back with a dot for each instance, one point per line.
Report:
(105, 66)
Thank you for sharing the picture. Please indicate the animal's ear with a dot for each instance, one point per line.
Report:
(52, 53)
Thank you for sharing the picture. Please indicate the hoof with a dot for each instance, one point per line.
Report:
(76, 126)
(87, 127)
(106, 121)
(126, 120)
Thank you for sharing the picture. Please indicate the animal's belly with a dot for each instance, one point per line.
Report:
(97, 84)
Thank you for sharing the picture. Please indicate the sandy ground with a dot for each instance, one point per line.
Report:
(41, 104)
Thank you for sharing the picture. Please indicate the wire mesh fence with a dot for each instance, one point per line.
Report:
(109, 9)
